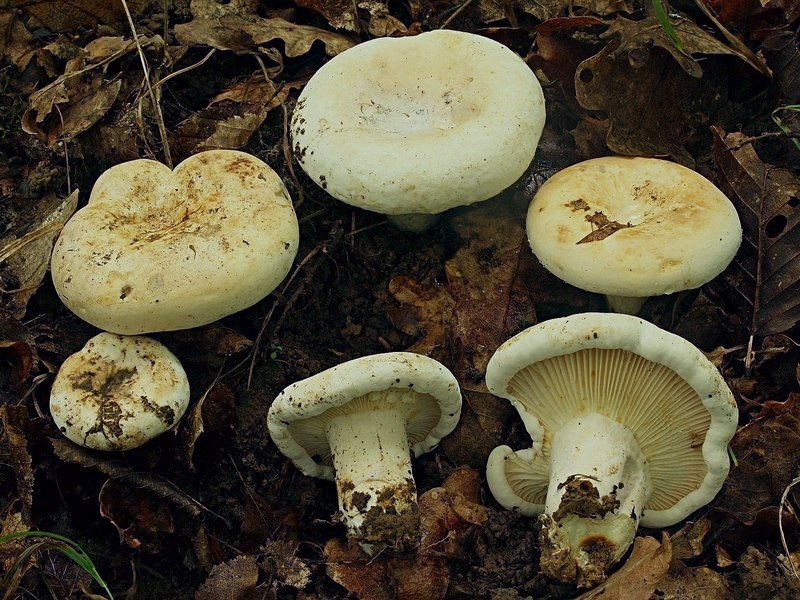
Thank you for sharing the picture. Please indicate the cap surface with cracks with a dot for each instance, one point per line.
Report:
(417, 125)
(632, 228)
(629, 424)
(159, 250)
(358, 423)
(118, 392)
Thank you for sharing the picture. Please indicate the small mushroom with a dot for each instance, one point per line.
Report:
(629, 424)
(160, 250)
(412, 126)
(357, 423)
(118, 392)
(631, 228)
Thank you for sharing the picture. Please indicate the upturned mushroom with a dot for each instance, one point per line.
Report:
(160, 250)
(358, 423)
(118, 392)
(631, 228)
(412, 126)
(629, 424)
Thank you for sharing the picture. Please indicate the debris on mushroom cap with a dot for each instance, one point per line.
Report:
(417, 125)
(629, 424)
(118, 392)
(159, 250)
(632, 228)
(358, 423)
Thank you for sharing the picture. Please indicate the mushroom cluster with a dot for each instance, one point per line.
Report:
(630, 424)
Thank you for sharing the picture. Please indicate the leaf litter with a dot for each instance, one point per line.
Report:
(216, 498)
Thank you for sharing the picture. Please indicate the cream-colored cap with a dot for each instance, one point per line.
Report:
(118, 392)
(632, 227)
(417, 125)
(159, 250)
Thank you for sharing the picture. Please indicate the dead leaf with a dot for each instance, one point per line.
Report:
(17, 355)
(653, 108)
(57, 15)
(82, 96)
(605, 228)
(280, 559)
(688, 541)
(495, 10)
(214, 410)
(732, 12)
(766, 272)
(244, 34)
(16, 42)
(637, 38)
(782, 52)
(230, 580)
(424, 312)
(767, 451)
(25, 255)
(233, 115)
(139, 518)
(15, 425)
(697, 583)
(348, 566)
(638, 578)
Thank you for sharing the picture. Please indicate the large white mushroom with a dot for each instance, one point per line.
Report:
(631, 228)
(412, 126)
(630, 424)
(159, 250)
(358, 423)
(118, 392)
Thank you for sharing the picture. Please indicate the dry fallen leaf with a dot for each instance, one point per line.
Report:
(215, 409)
(15, 424)
(25, 255)
(17, 356)
(230, 580)
(697, 583)
(232, 116)
(139, 517)
(638, 578)
(237, 27)
(768, 451)
(57, 15)
(766, 272)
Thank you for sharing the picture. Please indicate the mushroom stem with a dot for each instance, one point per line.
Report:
(377, 494)
(628, 305)
(413, 222)
(599, 483)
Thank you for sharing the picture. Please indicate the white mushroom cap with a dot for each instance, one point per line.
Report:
(159, 250)
(654, 383)
(417, 125)
(118, 392)
(297, 416)
(632, 227)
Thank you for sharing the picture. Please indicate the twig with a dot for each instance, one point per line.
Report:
(199, 63)
(784, 497)
(65, 141)
(762, 136)
(457, 12)
(162, 129)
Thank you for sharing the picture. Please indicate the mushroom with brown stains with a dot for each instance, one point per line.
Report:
(358, 423)
(118, 392)
(160, 250)
(412, 126)
(630, 424)
(631, 228)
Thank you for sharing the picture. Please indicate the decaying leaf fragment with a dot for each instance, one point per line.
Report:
(15, 421)
(232, 580)
(25, 254)
(236, 26)
(638, 578)
(81, 96)
(139, 517)
(767, 269)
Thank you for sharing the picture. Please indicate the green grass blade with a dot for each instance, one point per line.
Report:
(666, 24)
(65, 546)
